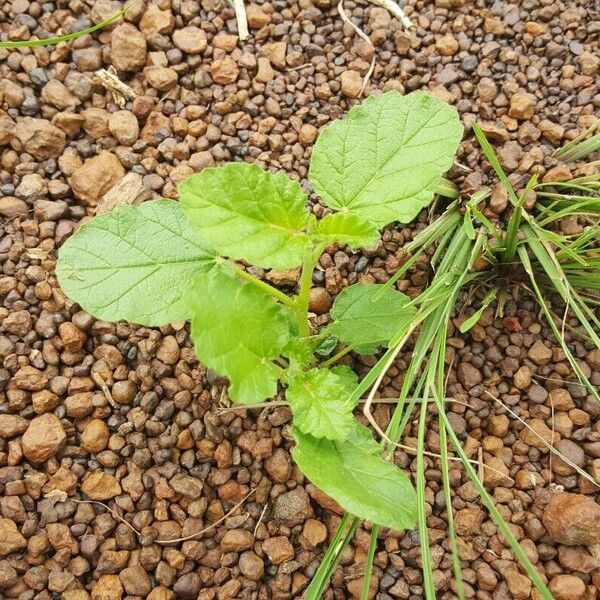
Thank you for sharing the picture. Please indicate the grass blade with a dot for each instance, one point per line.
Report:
(68, 36)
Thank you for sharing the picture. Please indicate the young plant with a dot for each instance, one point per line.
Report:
(166, 261)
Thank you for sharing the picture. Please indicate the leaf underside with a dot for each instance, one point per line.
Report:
(134, 263)
(383, 161)
(368, 316)
(237, 330)
(353, 473)
(248, 214)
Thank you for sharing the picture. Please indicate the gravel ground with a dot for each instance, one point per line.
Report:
(125, 415)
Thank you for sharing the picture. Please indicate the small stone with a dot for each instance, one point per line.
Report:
(161, 78)
(168, 350)
(308, 134)
(95, 122)
(44, 437)
(155, 20)
(96, 176)
(352, 83)
(186, 485)
(522, 378)
(553, 132)
(58, 95)
(95, 436)
(187, 587)
(108, 587)
(191, 40)
(127, 48)
(72, 337)
(265, 71)
(293, 507)
(534, 28)
(519, 585)
(278, 549)
(314, 532)
(237, 540)
(40, 138)
(135, 580)
(11, 539)
(567, 587)
(11, 425)
(447, 45)
(319, 301)
(30, 379)
(123, 124)
(100, 486)
(279, 466)
(498, 425)
(538, 435)
(589, 63)
(224, 71)
(468, 375)
(539, 353)
(252, 566)
(11, 207)
(572, 519)
(18, 323)
(521, 106)
(468, 521)
(257, 17)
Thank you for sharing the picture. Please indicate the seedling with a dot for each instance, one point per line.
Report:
(166, 261)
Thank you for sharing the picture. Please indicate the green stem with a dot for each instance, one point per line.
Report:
(265, 287)
(333, 359)
(302, 301)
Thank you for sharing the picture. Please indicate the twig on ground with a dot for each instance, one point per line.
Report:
(363, 36)
(102, 385)
(395, 10)
(550, 447)
(242, 20)
(262, 514)
(119, 91)
(62, 496)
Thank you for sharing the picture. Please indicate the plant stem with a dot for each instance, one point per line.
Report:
(333, 359)
(265, 287)
(301, 303)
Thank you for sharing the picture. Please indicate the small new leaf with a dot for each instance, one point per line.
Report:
(237, 330)
(355, 475)
(134, 263)
(319, 401)
(384, 160)
(248, 214)
(347, 228)
(368, 316)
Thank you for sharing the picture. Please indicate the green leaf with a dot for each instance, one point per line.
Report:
(319, 400)
(134, 263)
(367, 316)
(248, 214)
(355, 475)
(327, 346)
(347, 375)
(299, 351)
(237, 329)
(347, 228)
(385, 159)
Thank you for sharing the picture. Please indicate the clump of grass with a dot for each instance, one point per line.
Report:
(530, 254)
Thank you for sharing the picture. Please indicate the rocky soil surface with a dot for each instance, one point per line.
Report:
(124, 415)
